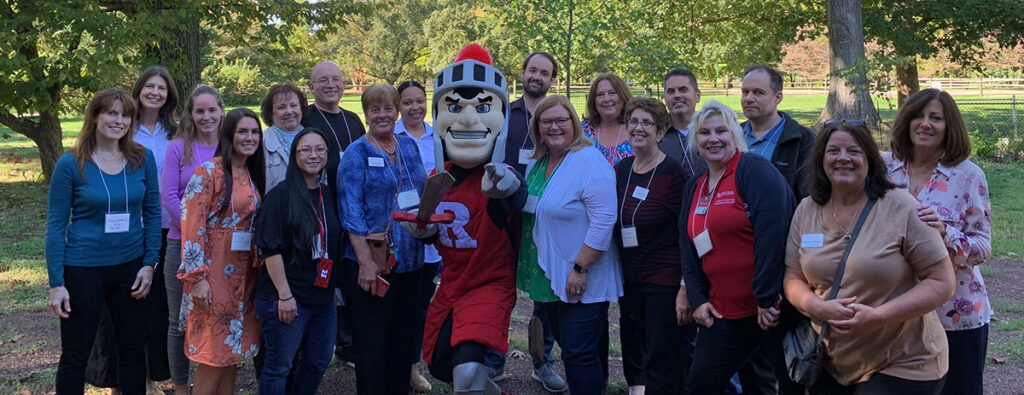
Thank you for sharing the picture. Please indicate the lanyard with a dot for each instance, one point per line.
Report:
(321, 220)
(255, 200)
(710, 199)
(686, 151)
(333, 133)
(526, 137)
(632, 220)
(103, 179)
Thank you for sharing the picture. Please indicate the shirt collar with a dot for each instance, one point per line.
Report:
(941, 168)
(400, 129)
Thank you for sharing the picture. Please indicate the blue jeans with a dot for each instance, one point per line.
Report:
(581, 329)
(313, 328)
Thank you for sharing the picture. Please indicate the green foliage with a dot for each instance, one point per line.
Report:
(1008, 306)
(238, 80)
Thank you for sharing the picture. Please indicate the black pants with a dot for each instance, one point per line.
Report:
(446, 356)
(91, 289)
(967, 361)
(728, 344)
(651, 339)
(101, 370)
(427, 288)
(384, 332)
(878, 384)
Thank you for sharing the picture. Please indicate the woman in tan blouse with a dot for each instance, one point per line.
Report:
(884, 336)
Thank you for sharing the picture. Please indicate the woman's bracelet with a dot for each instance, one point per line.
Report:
(286, 299)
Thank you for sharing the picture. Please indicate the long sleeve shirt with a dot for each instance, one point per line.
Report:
(174, 178)
(77, 210)
(155, 140)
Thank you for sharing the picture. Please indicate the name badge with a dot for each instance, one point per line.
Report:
(408, 199)
(813, 240)
(117, 223)
(524, 156)
(702, 206)
(341, 154)
(629, 239)
(375, 161)
(241, 241)
(703, 243)
(640, 193)
(531, 204)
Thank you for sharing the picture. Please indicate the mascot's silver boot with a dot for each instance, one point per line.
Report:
(470, 378)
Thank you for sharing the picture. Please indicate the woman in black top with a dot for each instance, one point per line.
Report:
(298, 233)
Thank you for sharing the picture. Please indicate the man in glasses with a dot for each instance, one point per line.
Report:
(341, 127)
(771, 133)
(681, 97)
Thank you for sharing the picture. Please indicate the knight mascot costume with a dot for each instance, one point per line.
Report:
(480, 198)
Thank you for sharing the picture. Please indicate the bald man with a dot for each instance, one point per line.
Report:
(341, 127)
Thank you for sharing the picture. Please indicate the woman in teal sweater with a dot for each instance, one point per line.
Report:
(102, 240)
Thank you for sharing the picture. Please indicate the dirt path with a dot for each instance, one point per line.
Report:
(29, 347)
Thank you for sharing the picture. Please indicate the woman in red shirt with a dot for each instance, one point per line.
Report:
(733, 227)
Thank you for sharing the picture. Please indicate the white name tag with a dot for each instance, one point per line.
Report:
(640, 193)
(813, 240)
(375, 161)
(117, 223)
(241, 241)
(703, 243)
(700, 210)
(524, 156)
(341, 154)
(408, 199)
(531, 204)
(629, 239)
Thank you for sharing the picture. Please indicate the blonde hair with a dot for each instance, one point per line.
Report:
(579, 140)
(715, 107)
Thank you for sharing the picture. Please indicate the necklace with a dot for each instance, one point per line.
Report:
(912, 175)
(846, 233)
(381, 146)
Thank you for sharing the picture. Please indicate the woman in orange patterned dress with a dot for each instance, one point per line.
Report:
(218, 264)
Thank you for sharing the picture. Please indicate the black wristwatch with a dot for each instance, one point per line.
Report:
(579, 269)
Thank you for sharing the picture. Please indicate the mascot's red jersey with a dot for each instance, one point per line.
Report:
(478, 279)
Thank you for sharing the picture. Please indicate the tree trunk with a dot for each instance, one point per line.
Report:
(848, 97)
(906, 80)
(182, 57)
(48, 138)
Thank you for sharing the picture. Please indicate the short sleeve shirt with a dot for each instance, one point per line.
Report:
(893, 247)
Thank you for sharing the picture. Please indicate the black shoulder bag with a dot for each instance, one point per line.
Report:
(803, 349)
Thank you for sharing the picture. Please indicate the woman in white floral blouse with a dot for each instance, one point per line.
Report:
(929, 154)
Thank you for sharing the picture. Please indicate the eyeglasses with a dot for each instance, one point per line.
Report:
(561, 122)
(324, 80)
(307, 151)
(841, 122)
(641, 123)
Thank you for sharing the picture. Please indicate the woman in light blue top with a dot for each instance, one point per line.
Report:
(282, 109)
(380, 173)
(102, 240)
(567, 259)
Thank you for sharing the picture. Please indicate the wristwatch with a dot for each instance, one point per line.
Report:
(579, 269)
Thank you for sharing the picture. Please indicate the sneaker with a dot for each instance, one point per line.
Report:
(547, 377)
(496, 374)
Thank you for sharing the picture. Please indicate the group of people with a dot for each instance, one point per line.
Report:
(715, 237)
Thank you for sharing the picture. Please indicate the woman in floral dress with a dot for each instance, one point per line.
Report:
(218, 259)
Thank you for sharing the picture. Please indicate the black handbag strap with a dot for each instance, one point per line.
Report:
(838, 278)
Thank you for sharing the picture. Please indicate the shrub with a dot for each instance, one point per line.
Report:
(239, 82)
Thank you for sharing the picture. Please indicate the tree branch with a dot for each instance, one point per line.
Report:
(20, 125)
